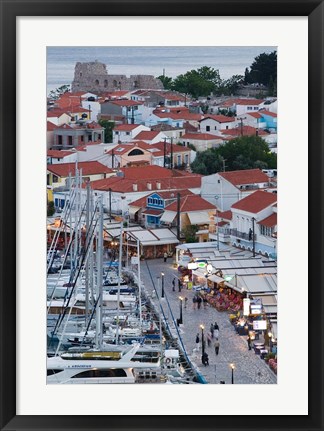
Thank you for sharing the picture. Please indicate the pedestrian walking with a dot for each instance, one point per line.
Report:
(165, 256)
(216, 345)
(249, 343)
(197, 342)
(216, 326)
(216, 333)
(212, 330)
(173, 285)
(205, 359)
(199, 300)
(194, 302)
(179, 285)
(186, 300)
(209, 338)
(205, 302)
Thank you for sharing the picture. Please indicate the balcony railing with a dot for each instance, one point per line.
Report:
(242, 235)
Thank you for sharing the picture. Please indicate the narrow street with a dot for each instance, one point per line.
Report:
(249, 368)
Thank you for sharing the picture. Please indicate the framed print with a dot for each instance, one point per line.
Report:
(32, 30)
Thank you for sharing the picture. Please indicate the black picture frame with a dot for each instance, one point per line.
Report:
(11, 9)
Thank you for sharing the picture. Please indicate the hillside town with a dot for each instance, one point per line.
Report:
(162, 241)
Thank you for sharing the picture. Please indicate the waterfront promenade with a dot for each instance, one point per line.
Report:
(249, 368)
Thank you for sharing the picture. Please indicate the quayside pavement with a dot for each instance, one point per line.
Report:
(249, 368)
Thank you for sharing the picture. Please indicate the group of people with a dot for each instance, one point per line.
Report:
(197, 300)
(212, 334)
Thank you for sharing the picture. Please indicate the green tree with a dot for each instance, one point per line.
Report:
(200, 82)
(207, 162)
(247, 152)
(50, 208)
(231, 85)
(189, 232)
(108, 126)
(262, 69)
(166, 81)
(272, 87)
(55, 94)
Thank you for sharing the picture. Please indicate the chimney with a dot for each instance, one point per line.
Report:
(149, 186)
(158, 185)
(134, 187)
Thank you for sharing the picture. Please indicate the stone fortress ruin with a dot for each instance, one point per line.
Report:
(93, 77)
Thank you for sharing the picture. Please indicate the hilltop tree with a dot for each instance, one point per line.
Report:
(167, 81)
(231, 85)
(263, 69)
(200, 82)
(57, 93)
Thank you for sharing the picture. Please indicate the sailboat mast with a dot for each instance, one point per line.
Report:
(99, 288)
(87, 236)
(119, 277)
(139, 283)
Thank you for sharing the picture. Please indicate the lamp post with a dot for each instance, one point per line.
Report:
(232, 367)
(162, 283)
(180, 319)
(270, 336)
(202, 339)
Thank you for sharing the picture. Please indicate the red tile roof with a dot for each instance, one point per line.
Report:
(50, 126)
(56, 113)
(191, 203)
(244, 131)
(219, 118)
(151, 211)
(125, 102)
(125, 185)
(254, 114)
(126, 127)
(201, 136)
(249, 101)
(146, 135)
(247, 176)
(227, 215)
(88, 168)
(189, 127)
(65, 126)
(256, 202)
(112, 117)
(270, 114)
(222, 223)
(269, 221)
(58, 154)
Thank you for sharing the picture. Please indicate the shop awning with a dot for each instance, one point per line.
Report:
(153, 212)
(133, 210)
(199, 217)
(267, 299)
(168, 216)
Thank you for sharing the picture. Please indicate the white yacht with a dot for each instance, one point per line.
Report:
(93, 367)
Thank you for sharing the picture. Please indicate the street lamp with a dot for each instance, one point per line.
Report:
(180, 319)
(232, 367)
(202, 339)
(162, 282)
(270, 336)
